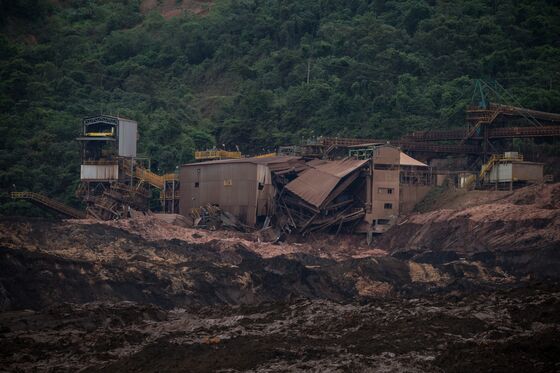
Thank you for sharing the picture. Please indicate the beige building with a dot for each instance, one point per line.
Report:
(398, 182)
(373, 189)
(242, 187)
(511, 171)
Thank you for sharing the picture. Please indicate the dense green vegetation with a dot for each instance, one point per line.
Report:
(254, 73)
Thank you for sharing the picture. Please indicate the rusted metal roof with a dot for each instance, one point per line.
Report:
(253, 160)
(316, 184)
(409, 161)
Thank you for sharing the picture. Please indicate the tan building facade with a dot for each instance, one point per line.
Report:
(397, 183)
(242, 187)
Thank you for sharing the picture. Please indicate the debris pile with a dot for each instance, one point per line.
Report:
(521, 227)
(323, 196)
(212, 217)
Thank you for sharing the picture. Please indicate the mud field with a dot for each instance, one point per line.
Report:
(449, 290)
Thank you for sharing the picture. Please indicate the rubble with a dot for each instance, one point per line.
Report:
(473, 291)
(321, 197)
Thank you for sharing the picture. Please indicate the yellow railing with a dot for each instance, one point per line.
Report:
(100, 134)
(51, 203)
(153, 179)
(497, 158)
(216, 154)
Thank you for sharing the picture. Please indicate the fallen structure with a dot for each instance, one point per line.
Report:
(364, 192)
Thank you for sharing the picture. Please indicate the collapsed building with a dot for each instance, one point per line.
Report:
(359, 185)
(360, 193)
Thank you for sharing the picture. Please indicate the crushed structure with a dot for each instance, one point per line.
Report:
(364, 192)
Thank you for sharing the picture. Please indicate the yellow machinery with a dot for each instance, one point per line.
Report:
(508, 156)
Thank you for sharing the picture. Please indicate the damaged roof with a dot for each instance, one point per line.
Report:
(317, 183)
(407, 160)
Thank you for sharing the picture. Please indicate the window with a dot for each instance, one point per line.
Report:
(196, 184)
(388, 206)
(261, 186)
(383, 221)
(385, 190)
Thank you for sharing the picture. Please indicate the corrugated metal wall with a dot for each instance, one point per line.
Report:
(232, 186)
(528, 171)
(128, 133)
(501, 172)
(99, 172)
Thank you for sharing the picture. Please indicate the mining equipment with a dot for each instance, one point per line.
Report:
(114, 183)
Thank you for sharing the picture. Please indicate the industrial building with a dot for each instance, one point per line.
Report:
(242, 187)
(114, 184)
(358, 185)
(365, 192)
(508, 169)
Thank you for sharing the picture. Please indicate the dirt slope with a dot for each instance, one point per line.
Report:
(45, 263)
(520, 231)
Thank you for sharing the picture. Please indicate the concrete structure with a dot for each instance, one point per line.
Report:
(515, 171)
(398, 183)
(242, 187)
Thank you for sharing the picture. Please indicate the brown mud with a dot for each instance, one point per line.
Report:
(451, 290)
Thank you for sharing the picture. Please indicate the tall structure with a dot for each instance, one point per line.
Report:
(396, 184)
(108, 161)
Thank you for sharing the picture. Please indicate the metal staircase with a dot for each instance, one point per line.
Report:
(496, 158)
(50, 203)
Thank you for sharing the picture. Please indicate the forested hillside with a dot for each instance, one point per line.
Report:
(254, 73)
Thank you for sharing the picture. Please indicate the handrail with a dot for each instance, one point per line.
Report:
(216, 154)
(498, 158)
(51, 203)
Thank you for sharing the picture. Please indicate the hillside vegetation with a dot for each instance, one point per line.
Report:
(253, 73)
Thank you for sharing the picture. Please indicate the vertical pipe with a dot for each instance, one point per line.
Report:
(173, 197)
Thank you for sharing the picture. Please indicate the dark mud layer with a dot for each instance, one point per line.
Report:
(45, 264)
(502, 331)
(99, 298)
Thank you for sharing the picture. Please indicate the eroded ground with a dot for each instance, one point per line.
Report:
(503, 331)
(458, 289)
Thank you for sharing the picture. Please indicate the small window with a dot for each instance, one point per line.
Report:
(385, 190)
(196, 184)
(383, 221)
(388, 206)
(261, 186)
